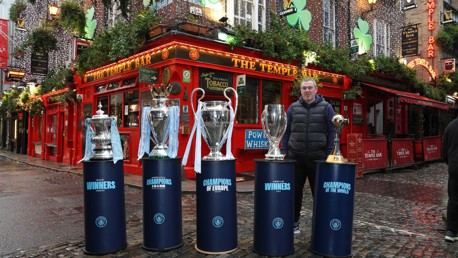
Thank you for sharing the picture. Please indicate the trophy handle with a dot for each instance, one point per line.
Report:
(192, 102)
(229, 99)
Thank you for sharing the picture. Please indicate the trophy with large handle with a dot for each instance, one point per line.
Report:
(101, 139)
(216, 122)
(159, 120)
(274, 121)
(336, 155)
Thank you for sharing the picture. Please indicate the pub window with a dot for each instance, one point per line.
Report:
(247, 112)
(129, 82)
(382, 30)
(104, 102)
(100, 88)
(162, 3)
(146, 98)
(53, 128)
(116, 107)
(329, 30)
(271, 92)
(40, 128)
(251, 13)
(112, 85)
(335, 103)
(131, 109)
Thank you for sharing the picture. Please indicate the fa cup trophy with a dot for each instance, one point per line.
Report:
(101, 139)
(274, 125)
(336, 156)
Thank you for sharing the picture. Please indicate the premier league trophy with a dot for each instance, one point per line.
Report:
(101, 139)
(336, 156)
(159, 120)
(161, 172)
(274, 125)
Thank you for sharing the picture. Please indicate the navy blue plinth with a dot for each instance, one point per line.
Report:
(333, 206)
(216, 207)
(162, 223)
(104, 208)
(274, 207)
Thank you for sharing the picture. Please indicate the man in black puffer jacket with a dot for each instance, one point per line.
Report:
(450, 156)
(309, 137)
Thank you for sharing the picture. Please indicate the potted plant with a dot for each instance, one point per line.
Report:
(190, 25)
(158, 30)
(72, 17)
(41, 39)
(16, 9)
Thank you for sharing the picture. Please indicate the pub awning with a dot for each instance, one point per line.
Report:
(410, 98)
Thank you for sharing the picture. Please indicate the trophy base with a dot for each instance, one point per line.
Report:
(217, 155)
(275, 156)
(102, 154)
(336, 159)
(159, 153)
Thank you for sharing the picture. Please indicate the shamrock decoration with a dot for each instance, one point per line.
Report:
(91, 24)
(204, 2)
(301, 17)
(363, 36)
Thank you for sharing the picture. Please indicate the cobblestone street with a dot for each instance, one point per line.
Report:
(397, 214)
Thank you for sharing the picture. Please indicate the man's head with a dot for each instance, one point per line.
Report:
(308, 90)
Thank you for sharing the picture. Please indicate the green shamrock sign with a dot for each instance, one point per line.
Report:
(362, 35)
(302, 17)
(204, 2)
(91, 23)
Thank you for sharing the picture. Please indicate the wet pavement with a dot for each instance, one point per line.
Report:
(397, 213)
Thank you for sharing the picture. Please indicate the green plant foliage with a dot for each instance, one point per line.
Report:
(448, 82)
(448, 38)
(72, 17)
(11, 101)
(41, 39)
(24, 96)
(16, 9)
(283, 42)
(55, 81)
(120, 41)
(391, 66)
(279, 41)
(32, 1)
(35, 107)
(338, 60)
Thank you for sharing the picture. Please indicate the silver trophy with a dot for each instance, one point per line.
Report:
(215, 121)
(274, 125)
(336, 156)
(159, 120)
(101, 139)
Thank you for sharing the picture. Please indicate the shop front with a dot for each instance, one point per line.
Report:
(187, 63)
(398, 126)
(51, 134)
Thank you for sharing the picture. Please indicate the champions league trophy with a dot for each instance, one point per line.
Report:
(216, 123)
(101, 139)
(336, 156)
(274, 125)
(159, 120)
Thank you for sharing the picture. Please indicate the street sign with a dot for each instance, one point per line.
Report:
(148, 74)
(287, 11)
(354, 46)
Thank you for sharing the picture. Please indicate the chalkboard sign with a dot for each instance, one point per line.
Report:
(39, 64)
